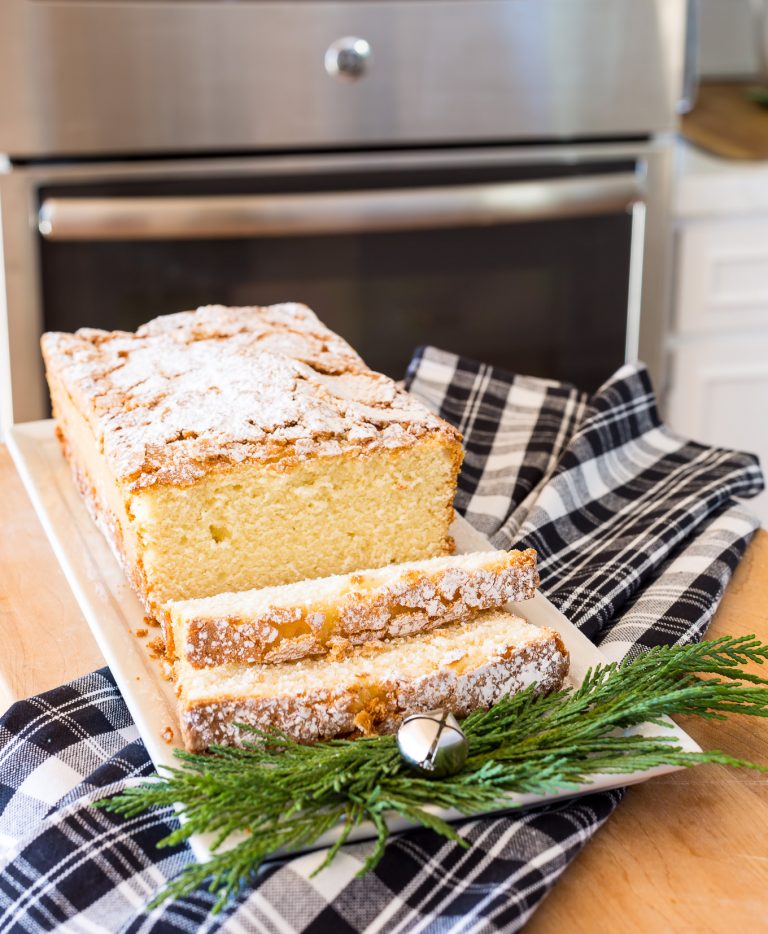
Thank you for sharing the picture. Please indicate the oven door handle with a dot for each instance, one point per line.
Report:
(283, 215)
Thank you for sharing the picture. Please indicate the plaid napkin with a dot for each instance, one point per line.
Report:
(637, 535)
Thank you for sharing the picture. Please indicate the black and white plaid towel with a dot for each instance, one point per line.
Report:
(637, 535)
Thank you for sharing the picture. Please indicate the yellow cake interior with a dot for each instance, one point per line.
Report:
(263, 525)
(266, 524)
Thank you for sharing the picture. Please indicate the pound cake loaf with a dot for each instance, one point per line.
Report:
(461, 667)
(231, 448)
(278, 624)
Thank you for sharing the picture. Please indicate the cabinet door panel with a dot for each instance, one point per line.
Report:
(719, 396)
(722, 281)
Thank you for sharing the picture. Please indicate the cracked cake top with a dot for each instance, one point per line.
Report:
(193, 391)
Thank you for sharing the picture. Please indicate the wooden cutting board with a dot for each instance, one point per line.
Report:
(727, 123)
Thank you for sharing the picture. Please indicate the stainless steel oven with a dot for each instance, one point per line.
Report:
(489, 176)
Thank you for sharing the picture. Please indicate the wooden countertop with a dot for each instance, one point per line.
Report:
(685, 852)
(727, 121)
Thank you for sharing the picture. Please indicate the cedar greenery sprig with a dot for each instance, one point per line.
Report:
(284, 795)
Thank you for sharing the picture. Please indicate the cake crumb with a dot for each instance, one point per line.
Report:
(141, 633)
(339, 649)
(156, 647)
(364, 722)
(367, 720)
(167, 735)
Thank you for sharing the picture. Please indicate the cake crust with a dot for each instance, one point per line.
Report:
(111, 529)
(291, 622)
(346, 700)
(206, 390)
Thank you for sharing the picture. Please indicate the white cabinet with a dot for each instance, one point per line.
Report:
(720, 396)
(719, 349)
(722, 282)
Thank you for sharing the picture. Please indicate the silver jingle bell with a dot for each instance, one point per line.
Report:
(432, 743)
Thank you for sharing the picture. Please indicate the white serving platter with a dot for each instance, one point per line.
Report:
(114, 613)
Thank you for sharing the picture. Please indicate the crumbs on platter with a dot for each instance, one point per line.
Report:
(156, 647)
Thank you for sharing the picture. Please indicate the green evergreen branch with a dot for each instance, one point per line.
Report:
(284, 795)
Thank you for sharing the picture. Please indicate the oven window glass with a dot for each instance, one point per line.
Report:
(547, 298)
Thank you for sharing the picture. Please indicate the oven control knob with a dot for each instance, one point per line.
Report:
(348, 57)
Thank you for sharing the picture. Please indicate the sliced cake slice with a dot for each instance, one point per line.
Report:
(461, 667)
(277, 624)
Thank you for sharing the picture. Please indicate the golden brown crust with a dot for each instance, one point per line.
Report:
(111, 529)
(205, 391)
(106, 521)
(364, 607)
(454, 444)
(325, 712)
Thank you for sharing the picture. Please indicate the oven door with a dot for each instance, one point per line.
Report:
(166, 76)
(531, 266)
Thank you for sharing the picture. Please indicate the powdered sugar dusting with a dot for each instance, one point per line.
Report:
(296, 620)
(462, 668)
(228, 385)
